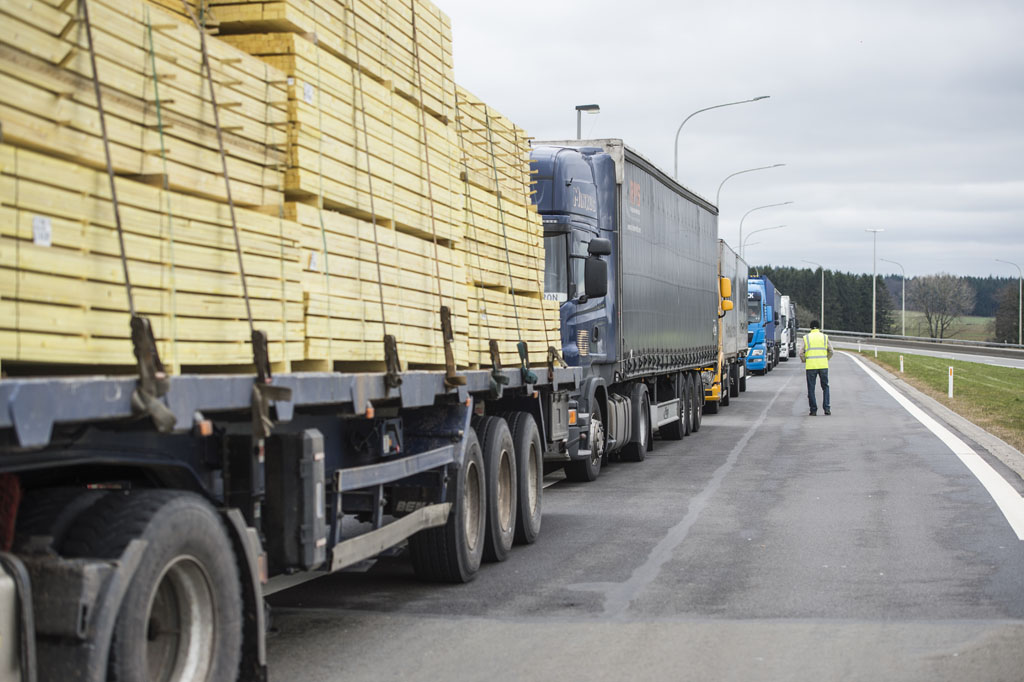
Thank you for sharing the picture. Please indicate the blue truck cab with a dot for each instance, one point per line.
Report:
(761, 319)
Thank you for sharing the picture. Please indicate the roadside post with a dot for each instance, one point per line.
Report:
(950, 382)
(901, 364)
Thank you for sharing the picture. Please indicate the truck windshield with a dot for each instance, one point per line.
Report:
(556, 268)
(753, 310)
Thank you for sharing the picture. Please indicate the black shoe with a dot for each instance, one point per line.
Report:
(812, 413)
(828, 411)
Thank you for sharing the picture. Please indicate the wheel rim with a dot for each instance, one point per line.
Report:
(180, 624)
(471, 503)
(645, 412)
(505, 490)
(533, 479)
(596, 438)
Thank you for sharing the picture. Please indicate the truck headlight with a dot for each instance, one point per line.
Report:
(757, 352)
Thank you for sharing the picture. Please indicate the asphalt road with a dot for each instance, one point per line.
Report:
(769, 546)
(941, 353)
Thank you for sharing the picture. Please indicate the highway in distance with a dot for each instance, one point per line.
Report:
(769, 546)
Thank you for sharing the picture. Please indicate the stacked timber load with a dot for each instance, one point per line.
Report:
(504, 247)
(63, 299)
(370, 191)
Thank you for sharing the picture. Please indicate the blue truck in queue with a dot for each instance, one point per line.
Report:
(762, 318)
(641, 345)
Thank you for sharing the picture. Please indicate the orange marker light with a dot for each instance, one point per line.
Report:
(205, 427)
(572, 417)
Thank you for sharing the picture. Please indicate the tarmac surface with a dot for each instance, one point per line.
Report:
(865, 545)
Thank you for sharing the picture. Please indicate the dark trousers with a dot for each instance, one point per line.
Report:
(812, 375)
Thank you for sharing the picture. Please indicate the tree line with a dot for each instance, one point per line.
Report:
(942, 299)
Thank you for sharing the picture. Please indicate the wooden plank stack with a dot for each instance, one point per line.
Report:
(378, 190)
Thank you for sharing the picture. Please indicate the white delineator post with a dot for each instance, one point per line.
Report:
(950, 382)
(901, 364)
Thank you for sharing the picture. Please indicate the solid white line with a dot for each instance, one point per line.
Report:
(1010, 503)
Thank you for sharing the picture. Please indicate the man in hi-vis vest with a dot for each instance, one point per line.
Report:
(815, 354)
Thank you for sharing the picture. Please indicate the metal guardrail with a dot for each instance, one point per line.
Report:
(1007, 350)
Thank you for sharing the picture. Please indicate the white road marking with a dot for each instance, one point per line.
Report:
(1010, 503)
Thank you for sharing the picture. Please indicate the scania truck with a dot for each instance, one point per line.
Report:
(641, 346)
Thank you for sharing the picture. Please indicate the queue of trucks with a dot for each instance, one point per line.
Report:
(353, 465)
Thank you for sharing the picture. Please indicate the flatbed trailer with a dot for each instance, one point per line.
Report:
(110, 509)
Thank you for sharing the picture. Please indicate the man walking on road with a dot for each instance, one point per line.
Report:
(815, 354)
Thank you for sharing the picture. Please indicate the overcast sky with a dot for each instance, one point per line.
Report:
(905, 115)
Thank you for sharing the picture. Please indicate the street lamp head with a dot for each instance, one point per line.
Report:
(874, 229)
(760, 97)
(589, 108)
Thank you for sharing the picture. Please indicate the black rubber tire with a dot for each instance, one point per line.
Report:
(50, 512)
(636, 450)
(452, 553)
(734, 380)
(188, 550)
(530, 475)
(711, 406)
(587, 470)
(676, 430)
(698, 401)
(685, 395)
(500, 474)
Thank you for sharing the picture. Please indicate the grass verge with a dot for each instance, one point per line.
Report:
(991, 397)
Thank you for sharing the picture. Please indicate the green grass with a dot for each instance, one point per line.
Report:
(965, 328)
(991, 397)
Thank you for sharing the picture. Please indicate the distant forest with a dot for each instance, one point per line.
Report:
(848, 296)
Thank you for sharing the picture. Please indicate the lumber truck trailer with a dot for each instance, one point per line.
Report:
(147, 509)
(762, 321)
(250, 491)
(728, 376)
(641, 346)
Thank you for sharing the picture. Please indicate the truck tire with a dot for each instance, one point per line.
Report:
(698, 401)
(587, 470)
(500, 473)
(677, 429)
(182, 613)
(711, 406)
(530, 475)
(49, 512)
(685, 394)
(734, 380)
(636, 450)
(452, 552)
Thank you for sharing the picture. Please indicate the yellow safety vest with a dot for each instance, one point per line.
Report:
(816, 350)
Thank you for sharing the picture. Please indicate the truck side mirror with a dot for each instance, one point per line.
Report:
(725, 288)
(595, 276)
(599, 247)
(726, 305)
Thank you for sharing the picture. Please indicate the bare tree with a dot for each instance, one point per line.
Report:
(943, 299)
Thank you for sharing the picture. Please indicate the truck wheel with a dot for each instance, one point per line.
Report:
(452, 553)
(698, 401)
(530, 469)
(49, 512)
(636, 451)
(677, 429)
(734, 381)
(181, 618)
(587, 470)
(711, 406)
(500, 472)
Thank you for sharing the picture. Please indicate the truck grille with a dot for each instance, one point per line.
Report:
(583, 342)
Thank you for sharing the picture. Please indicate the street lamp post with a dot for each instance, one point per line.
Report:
(903, 282)
(580, 108)
(739, 241)
(718, 194)
(717, 106)
(874, 272)
(753, 232)
(821, 317)
(1020, 297)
